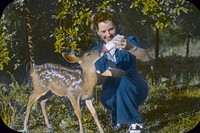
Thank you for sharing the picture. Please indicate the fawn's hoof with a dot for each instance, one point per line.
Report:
(50, 128)
(24, 131)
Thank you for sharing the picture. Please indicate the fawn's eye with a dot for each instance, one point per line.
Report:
(88, 54)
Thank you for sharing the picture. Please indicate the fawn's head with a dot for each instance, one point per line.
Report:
(87, 59)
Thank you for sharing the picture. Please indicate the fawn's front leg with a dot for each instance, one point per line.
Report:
(77, 110)
(94, 114)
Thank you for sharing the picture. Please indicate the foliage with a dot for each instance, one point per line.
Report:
(13, 100)
(4, 53)
(72, 26)
(7, 111)
(163, 12)
(74, 18)
(12, 25)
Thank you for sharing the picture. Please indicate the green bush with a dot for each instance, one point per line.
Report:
(4, 53)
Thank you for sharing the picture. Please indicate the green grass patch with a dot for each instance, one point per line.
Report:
(171, 110)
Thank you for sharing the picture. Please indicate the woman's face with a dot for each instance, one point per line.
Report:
(107, 30)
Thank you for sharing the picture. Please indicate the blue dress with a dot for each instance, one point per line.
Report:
(122, 95)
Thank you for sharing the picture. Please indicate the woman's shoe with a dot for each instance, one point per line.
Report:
(135, 128)
(117, 127)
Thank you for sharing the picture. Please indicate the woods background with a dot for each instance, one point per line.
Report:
(169, 30)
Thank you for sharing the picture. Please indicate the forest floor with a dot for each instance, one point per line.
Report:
(165, 111)
(172, 106)
(172, 110)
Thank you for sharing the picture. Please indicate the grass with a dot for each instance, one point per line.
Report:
(166, 110)
(172, 105)
(171, 111)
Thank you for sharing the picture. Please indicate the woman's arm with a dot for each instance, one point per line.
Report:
(114, 72)
(109, 73)
(139, 53)
(100, 79)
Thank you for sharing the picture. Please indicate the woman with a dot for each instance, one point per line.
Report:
(123, 89)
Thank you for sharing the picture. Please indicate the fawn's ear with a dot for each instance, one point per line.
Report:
(71, 58)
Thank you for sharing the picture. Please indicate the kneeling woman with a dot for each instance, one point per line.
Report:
(123, 88)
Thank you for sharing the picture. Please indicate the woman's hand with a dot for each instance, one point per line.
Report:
(114, 43)
(139, 53)
(114, 73)
(126, 44)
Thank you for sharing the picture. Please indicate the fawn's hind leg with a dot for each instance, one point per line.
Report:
(43, 106)
(32, 99)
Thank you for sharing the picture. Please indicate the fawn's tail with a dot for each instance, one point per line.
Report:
(29, 35)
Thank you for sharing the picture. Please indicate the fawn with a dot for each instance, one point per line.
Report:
(75, 84)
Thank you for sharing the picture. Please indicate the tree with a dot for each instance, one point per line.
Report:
(4, 53)
(16, 37)
(164, 13)
(74, 18)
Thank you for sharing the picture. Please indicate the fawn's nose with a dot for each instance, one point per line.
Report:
(100, 53)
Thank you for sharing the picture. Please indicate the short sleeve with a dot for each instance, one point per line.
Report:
(133, 41)
(101, 65)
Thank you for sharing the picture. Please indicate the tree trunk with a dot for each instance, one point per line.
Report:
(157, 44)
(188, 45)
(29, 35)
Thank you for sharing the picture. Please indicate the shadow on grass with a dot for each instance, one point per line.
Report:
(181, 111)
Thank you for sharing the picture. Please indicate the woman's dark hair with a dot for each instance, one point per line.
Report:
(102, 17)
